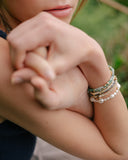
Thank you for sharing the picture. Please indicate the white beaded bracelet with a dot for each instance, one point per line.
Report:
(102, 100)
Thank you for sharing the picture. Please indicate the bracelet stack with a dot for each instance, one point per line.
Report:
(107, 91)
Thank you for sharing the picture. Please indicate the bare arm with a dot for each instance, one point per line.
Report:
(110, 117)
(65, 129)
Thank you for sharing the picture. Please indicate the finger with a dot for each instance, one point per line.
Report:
(19, 48)
(27, 36)
(17, 59)
(40, 84)
(41, 51)
(42, 91)
(44, 94)
(40, 65)
(23, 75)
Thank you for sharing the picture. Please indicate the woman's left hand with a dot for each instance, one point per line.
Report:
(68, 90)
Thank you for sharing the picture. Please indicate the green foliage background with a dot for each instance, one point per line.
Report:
(110, 28)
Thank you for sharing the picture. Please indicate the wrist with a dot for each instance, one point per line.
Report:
(95, 68)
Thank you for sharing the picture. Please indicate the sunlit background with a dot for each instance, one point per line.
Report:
(109, 27)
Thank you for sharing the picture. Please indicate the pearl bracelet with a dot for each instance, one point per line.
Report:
(107, 91)
(96, 94)
(102, 100)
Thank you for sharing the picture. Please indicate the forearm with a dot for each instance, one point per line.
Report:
(67, 130)
(111, 117)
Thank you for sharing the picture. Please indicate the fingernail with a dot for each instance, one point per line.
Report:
(17, 80)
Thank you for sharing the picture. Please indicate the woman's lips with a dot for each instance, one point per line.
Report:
(61, 11)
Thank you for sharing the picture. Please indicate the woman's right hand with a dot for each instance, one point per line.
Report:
(67, 46)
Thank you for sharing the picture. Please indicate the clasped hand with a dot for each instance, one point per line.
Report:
(47, 56)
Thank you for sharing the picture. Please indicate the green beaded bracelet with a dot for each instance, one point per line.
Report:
(100, 89)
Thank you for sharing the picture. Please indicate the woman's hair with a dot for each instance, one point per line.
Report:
(4, 22)
(3, 19)
(81, 4)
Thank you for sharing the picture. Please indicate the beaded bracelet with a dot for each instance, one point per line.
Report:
(91, 90)
(102, 100)
(98, 96)
(105, 92)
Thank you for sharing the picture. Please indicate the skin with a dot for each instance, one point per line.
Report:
(100, 135)
(14, 9)
(18, 15)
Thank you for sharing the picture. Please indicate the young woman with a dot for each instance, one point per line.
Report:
(38, 23)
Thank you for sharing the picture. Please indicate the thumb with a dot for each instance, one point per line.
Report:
(40, 84)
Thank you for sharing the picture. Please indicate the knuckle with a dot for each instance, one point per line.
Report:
(9, 37)
(14, 43)
(43, 15)
(46, 20)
